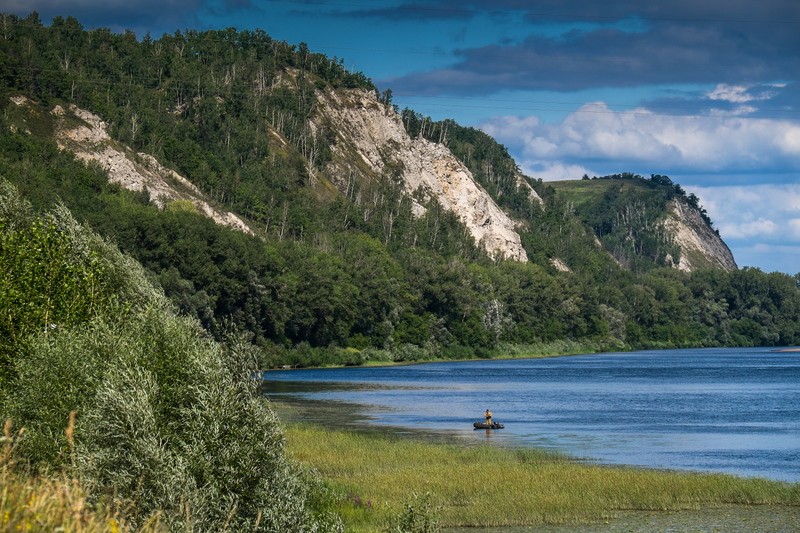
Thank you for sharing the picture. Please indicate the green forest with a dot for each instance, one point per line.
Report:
(323, 282)
(146, 324)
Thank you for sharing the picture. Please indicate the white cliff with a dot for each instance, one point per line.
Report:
(86, 135)
(700, 245)
(377, 143)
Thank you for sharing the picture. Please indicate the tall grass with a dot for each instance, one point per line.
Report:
(52, 503)
(494, 487)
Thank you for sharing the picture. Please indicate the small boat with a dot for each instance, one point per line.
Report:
(484, 425)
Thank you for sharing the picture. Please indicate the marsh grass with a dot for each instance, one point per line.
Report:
(488, 486)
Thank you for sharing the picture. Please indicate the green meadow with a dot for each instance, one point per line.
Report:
(377, 477)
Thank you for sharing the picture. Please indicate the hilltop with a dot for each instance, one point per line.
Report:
(647, 220)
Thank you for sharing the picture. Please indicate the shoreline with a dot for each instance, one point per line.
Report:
(514, 352)
(379, 474)
(532, 429)
(523, 355)
(387, 467)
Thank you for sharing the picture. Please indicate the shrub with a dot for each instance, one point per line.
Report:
(169, 422)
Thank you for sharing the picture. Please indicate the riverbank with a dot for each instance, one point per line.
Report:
(373, 476)
(371, 357)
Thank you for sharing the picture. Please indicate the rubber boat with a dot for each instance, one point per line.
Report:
(484, 425)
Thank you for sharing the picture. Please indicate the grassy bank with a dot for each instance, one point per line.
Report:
(405, 355)
(488, 486)
(40, 503)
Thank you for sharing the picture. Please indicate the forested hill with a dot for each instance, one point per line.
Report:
(644, 221)
(279, 194)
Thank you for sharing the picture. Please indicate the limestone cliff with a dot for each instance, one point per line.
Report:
(86, 135)
(371, 140)
(701, 246)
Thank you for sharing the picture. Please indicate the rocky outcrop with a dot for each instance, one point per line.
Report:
(376, 143)
(701, 246)
(86, 135)
(559, 265)
(525, 186)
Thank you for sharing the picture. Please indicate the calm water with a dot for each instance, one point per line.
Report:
(723, 410)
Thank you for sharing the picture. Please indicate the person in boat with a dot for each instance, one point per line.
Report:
(488, 416)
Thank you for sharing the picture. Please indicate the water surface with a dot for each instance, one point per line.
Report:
(735, 411)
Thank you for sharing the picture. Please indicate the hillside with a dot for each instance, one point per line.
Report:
(644, 221)
(270, 191)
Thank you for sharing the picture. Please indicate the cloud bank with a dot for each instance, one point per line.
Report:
(667, 42)
(596, 136)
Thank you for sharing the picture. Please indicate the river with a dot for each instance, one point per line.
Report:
(731, 410)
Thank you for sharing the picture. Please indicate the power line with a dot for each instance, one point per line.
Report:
(584, 109)
(524, 105)
(688, 106)
(205, 38)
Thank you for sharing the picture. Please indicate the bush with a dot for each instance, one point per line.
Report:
(169, 422)
(408, 352)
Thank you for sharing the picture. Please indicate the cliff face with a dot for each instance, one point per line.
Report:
(86, 135)
(371, 140)
(700, 245)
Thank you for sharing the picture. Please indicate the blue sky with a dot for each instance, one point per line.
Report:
(706, 92)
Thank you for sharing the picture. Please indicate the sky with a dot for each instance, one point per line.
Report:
(705, 92)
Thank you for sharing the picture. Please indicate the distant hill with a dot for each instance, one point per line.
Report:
(644, 221)
(269, 190)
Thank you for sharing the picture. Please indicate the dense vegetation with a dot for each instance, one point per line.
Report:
(326, 280)
(624, 212)
(161, 421)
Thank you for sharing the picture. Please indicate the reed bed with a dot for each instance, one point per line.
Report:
(488, 486)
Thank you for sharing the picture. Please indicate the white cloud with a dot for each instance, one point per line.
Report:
(769, 212)
(794, 228)
(740, 94)
(736, 94)
(758, 217)
(739, 111)
(759, 223)
(742, 230)
(557, 172)
(790, 140)
(640, 138)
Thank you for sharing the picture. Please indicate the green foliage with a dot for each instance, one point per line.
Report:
(54, 276)
(418, 516)
(168, 420)
(338, 277)
(210, 104)
(490, 163)
(625, 212)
